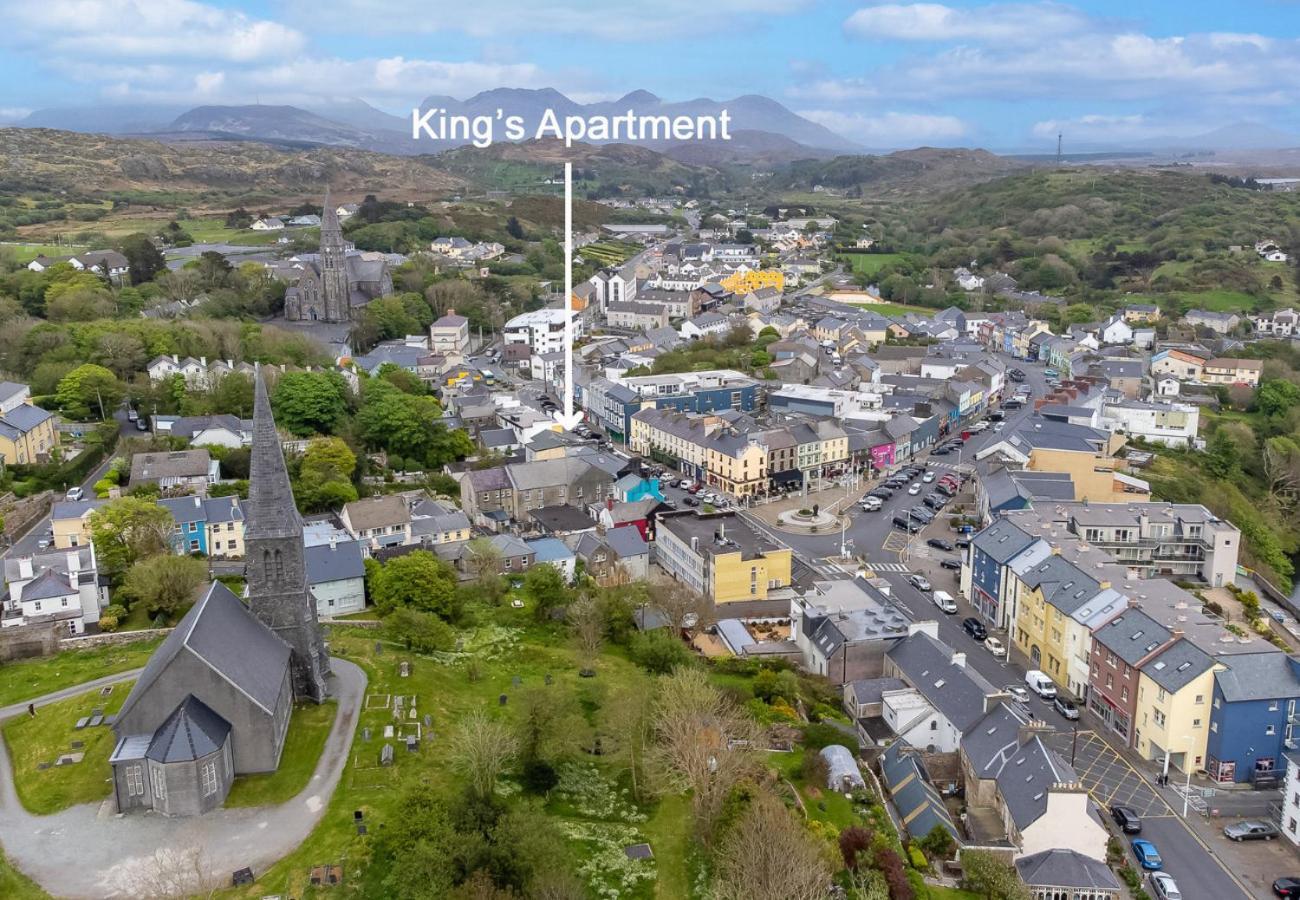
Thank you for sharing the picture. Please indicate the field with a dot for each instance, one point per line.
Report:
(14, 885)
(893, 309)
(25, 253)
(868, 263)
(30, 678)
(609, 253)
(49, 735)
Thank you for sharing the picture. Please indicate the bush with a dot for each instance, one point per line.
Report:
(814, 769)
(854, 843)
(108, 623)
(817, 736)
(659, 651)
(539, 776)
(116, 610)
(917, 857)
(939, 843)
(770, 686)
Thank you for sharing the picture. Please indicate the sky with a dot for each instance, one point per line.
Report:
(891, 74)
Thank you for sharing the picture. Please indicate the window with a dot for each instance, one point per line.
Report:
(1270, 729)
(1124, 694)
(1272, 706)
(209, 776)
(134, 781)
(158, 779)
(1196, 723)
(1200, 698)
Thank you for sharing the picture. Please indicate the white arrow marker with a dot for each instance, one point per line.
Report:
(568, 419)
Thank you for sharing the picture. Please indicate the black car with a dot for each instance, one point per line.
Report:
(1287, 888)
(940, 544)
(690, 501)
(921, 515)
(883, 492)
(1127, 819)
(913, 526)
(950, 563)
(935, 501)
(946, 490)
(941, 451)
(962, 543)
(975, 628)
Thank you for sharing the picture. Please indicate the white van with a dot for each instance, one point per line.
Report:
(1040, 684)
(944, 601)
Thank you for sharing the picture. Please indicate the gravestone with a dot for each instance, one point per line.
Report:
(82, 723)
(405, 669)
(428, 721)
(516, 681)
(386, 755)
(97, 711)
(241, 877)
(78, 745)
(42, 766)
(412, 743)
(388, 731)
(365, 734)
(548, 678)
(501, 701)
(379, 648)
(95, 721)
(361, 828)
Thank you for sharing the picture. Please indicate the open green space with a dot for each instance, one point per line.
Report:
(47, 736)
(1219, 300)
(14, 885)
(309, 727)
(25, 253)
(892, 309)
(609, 253)
(868, 263)
(30, 678)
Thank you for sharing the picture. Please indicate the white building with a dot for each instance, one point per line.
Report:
(59, 586)
(542, 330)
(1171, 424)
(268, 224)
(1290, 816)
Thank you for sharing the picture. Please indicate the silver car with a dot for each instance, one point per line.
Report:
(1251, 830)
(1163, 887)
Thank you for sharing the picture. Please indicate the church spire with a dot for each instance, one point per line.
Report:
(271, 510)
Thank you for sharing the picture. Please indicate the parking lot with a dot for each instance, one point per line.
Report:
(1108, 777)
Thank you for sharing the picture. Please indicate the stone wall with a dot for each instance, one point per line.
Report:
(21, 513)
(86, 641)
(24, 641)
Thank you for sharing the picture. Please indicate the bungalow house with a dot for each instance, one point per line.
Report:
(179, 471)
(552, 551)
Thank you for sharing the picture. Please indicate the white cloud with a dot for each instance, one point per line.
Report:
(617, 20)
(890, 129)
(1010, 22)
(140, 29)
(835, 90)
(13, 113)
(1097, 127)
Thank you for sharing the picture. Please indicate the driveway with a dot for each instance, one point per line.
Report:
(89, 851)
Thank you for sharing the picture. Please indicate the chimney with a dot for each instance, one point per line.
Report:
(334, 540)
(959, 659)
(695, 548)
(74, 562)
(203, 361)
(25, 567)
(1033, 727)
(197, 501)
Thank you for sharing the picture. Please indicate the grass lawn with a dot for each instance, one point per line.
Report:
(25, 253)
(669, 833)
(868, 263)
(14, 885)
(1219, 301)
(893, 309)
(308, 728)
(29, 678)
(49, 734)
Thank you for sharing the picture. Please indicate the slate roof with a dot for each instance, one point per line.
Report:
(1063, 584)
(1023, 771)
(626, 542)
(1259, 676)
(1062, 868)
(221, 632)
(870, 690)
(549, 549)
(563, 518)
(191, 732)
(176, 464)
(1178, 666)
(342, 561)
(48, 585)
(1132, 635)
(916, 799)
(376, 512)
(956, 691)
(1003, 541)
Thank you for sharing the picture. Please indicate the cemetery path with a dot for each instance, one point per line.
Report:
(89, 851)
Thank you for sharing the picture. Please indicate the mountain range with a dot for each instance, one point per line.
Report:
(766, 131)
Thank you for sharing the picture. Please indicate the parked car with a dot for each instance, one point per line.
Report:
(940, 544)
(142, 423)
(962, 543)
(75, 493)
(1148, 856)
(997, 428)
(928, 477)
(1163, 887)
(132, 415)
(669, 503)
(910, 525)
(883, 493)
(941, 451)
(921, 514)
(871, 504)
(975, 628)
(1127, 819)
(1066, 707)
(1018, 693)
(1287, 887)
(920, 582)
(1040, 684)
(935, 501)
(946, 489)
(1250, 830)
(944, 601)
(995, 646)
(949, 563)
(914, 489)
(685, 484)
(690, 501)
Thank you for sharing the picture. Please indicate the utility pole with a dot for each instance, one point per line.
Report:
(1058, 148)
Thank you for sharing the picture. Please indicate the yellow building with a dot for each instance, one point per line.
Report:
(27, 434)
(1091, 463)
(70, 521)
(1175, 690)
(753, 280)
(736, 463)
(720, 557)
(1058, 605)
(668, 434)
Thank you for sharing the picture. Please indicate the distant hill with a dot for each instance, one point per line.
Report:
(350, 122)
(926, 169)
(603, 169)
(44, 159)
(751, 148)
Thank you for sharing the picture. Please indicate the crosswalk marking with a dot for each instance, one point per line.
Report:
(886, 567)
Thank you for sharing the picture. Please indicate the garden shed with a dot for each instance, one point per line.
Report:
(842, 772)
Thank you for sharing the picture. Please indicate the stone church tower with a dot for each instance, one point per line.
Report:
(334, 265)
(276, 571)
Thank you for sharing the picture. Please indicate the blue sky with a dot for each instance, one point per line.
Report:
(951, 73)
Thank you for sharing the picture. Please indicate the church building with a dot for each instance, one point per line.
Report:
(215, 699)
(338, 280)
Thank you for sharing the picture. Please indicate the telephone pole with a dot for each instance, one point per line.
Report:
(1058, 147)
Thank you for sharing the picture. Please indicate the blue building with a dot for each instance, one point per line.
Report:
(1252, 716)
(213, 526)
(613, 405)
(990, 552)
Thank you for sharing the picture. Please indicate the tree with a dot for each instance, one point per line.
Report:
(771, 685)
(484, 561)
(514, 229)
(127, 530)
(89, 390)
(769, 855)
(309, 403)
(165, 583)
(939, 843)
(419, 631)
(547, 723)
(325, 475)
(660, 651)
(1221, 455)
(1276, 396)
(588, 622)
(481, 749)
(544, 585)
(680, 605)
(991, 878)
(631, 719)
(145, 259)
(1281, 458)
(702, 744)
(419, 580)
